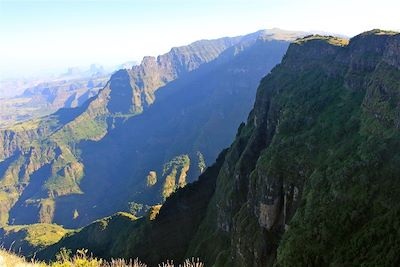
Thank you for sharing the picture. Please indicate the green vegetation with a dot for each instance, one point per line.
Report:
(333, 40)
(76, 214)
(379, 32)
(310, 180)
(84, 157)
(176, 163)
(28, 239)
(169, 184)
(172, 167)
(165, 237)
(153, 212)
(314, 165)
(25, 126)
(135, 208)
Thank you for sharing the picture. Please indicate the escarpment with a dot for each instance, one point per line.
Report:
(304, 181)
(311, 178)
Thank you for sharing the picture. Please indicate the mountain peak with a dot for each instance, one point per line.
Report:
(374, 37)
(277, 34)
(378, 32)
(366, 50)
(333, 40)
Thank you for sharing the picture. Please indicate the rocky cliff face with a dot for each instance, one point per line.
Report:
(143, 80)
(312, 161)
(312, 178)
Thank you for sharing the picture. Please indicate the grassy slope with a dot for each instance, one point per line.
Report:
(156, 237)
(28, 239)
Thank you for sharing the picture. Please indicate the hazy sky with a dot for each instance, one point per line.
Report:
(46, 35)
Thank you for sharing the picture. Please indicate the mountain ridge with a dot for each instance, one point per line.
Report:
(51, 166)
(311, 178)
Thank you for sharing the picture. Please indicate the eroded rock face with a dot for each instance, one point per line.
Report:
(392, 53)
(12, 141)
(288, 161)
(268, 214)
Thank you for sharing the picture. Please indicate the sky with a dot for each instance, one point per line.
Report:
(40, 36)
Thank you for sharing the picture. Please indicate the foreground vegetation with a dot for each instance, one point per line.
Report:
(82, 259)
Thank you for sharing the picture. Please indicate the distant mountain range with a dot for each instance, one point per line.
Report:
(25, 99)
(48, 97)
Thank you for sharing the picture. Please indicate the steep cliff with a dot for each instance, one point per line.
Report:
(312, 178)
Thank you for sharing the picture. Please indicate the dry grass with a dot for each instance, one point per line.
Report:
(188, 263)
(82, 259)
(8, 259)
(123, 263)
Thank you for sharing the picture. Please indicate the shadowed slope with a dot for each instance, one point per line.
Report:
(82, 153)
(312, 178)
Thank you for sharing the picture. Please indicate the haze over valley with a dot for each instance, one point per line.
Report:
(216, 133)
